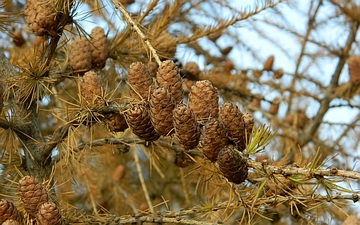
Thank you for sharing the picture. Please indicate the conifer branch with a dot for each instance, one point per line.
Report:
(324, 104)
(284, 170)
(294, 170)
(148, 219)
(309, 28)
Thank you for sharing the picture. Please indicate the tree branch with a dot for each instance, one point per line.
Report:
(293, 170)
(324, 104)
(284, 170)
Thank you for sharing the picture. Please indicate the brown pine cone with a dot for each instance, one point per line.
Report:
(49, 214)
(204, 100)
(297, 119)
(99, 47)
(116, 122)
(32, 194)
(41, 17)
(168, 76)
(249, 125)
(161, 107)
(214, 36)
(139, 121)
(152, 67)
(231, 117)
(80, 55)
(127, 2)
(226, 50)
(118, 173)
(191, 71)
(274, 106)
(213, 138)
(165, 44)
(278, 74)
(91, 89)
(256, 101)
(354, 69)
(18, 38)
(8, 211)
(257, 73)
(140, 81)
(186, 128)
(232, 165)
(269, 63)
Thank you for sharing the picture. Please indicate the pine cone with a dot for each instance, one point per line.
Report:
(116, 122)
(161, 107)
(165, 44)
(269, 63)
(8, 211)
(297, 119)
(232, 165)
(11, 222)
(140, 80)
(152, 67)
(18, 38)
(214, 36)
(257, 73)
(256, 101)
(274, 106)
(204, 100)
(231, 117)
(99, 47)
(118, 173)
(49, 214)
(32, 194)
(354, 69)
(249, 124)
(278, 74)
(213, 138)
(126, 2)
(91, 89)
(226, 50)
(191, 71)
(168, 76)
(186, 128)
(138, 119)
(80, 55)
(228, 66)
(41, 17)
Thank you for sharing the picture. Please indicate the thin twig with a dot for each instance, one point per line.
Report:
(293, 170)
(142, 181)
(133, 24)
(324, 104)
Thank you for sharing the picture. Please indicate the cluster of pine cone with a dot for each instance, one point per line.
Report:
(218, 133)
(86, 54)
(36, 202)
